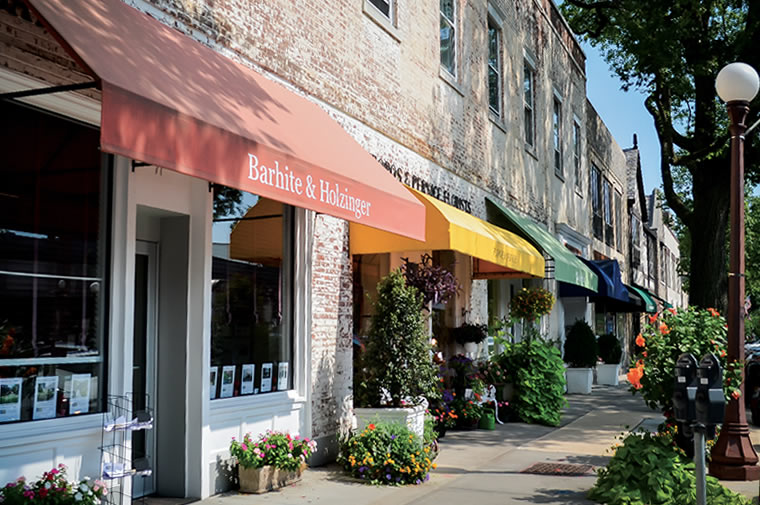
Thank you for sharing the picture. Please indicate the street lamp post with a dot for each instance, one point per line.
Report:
(733, 457)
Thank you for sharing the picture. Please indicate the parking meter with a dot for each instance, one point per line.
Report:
(710, 402)
(685, 388)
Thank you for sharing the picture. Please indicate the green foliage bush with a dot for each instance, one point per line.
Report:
(274, 448)
(580, 345)
(386, 453)
(609, 349)
(397, 359)
(647, 470)
(539, 376)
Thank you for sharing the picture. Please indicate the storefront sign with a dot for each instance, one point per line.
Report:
(45, 397)
(79, 397)
(314, 188)
(228, 381)
(10, 399)
(266, 377)
(246, 381)
(424, 186)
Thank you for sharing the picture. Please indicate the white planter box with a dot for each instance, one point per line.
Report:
(413, 417)
(607, 374)
(579, 380)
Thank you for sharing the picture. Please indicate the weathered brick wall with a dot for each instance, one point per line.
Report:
(331, 333)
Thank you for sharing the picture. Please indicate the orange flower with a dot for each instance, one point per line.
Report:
(672, 310)
(635, 375)
(722, 354)
(736, 394)
(644, 354)
(640, 340)
(653, 318)
(713, 312)
(371, 426)
(664, 329)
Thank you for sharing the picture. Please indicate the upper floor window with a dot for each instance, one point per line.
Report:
(577, 153)
(448, 36)
(494, 67)
(528, 95)
(596, 201)
(384, 6)
(635, 240)
(619, 221)
(608, 219)
(557, 134)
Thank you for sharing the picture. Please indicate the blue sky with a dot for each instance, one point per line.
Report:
(624, 114)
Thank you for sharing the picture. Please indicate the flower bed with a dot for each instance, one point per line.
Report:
(53, 489)
(387, 454)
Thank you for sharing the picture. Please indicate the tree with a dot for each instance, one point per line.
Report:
(672, 51)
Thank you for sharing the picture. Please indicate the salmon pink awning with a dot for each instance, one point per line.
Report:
(169, 101)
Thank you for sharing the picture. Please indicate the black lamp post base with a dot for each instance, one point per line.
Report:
(733, 457)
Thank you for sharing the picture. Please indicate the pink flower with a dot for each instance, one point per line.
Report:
(244, 447)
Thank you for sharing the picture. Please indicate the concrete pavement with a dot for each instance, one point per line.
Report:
(484, 467)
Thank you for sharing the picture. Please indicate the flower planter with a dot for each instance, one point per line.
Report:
(266, 478)
(413, 417)
(607, 374)
(579, 380)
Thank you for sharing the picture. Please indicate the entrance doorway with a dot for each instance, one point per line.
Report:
(144, 363)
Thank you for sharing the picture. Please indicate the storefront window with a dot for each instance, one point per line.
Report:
(251, 295)
(53, 258)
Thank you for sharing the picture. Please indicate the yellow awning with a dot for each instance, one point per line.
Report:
(448, 228)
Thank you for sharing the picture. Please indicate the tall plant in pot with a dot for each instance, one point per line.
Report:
(581, 356)
(610, 352)
(396, 372)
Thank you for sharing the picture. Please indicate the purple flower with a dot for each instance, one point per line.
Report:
(388, 476)
(393, 437)
(362, 469)
(427, 477)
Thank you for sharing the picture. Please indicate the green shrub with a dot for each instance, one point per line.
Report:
(385, 453)
(609, 349)
(397, 359)
(580, 345)
(539, 376)
(647, 470)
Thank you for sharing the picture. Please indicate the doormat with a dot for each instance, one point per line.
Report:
(558, 469)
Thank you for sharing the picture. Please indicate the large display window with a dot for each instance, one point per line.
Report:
(251, 295)
(53, 256)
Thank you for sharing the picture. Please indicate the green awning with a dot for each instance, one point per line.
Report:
(567, 267)
(650, 305)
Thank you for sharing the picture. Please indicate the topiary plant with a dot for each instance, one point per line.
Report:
(609, 349)
(397, 358)
(580, 345)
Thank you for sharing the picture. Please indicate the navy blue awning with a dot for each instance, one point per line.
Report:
(610, 285)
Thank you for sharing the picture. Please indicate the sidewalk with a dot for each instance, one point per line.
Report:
(484, 467)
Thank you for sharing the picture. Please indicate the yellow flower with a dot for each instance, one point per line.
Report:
(435, 465)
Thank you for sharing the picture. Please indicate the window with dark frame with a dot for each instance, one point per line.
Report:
(251, 295)
(54, 238)
(618, 221)
(577, 154)
(528, 95)
(609, 230)
(596, 202)
(635, 240)
(494, 67)
(557, 134)
(384, 6)
(448, 36)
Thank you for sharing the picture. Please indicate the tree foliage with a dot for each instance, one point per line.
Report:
(672, 51)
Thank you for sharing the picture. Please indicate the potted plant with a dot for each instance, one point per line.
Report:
(274, 460)
(610, 353)
(396, 373)
(469, 335)
(581, 356)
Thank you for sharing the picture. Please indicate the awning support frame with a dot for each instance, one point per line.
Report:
(47, 90)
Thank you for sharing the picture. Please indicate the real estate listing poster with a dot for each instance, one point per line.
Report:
(45, 397)
(246, 381)
(10, 399)
(79, 397)
(266, 377)
(228, 381)
(212, 384)
(282, 376)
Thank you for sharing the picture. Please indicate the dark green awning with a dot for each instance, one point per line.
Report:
(567, 267)
(649, 303)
